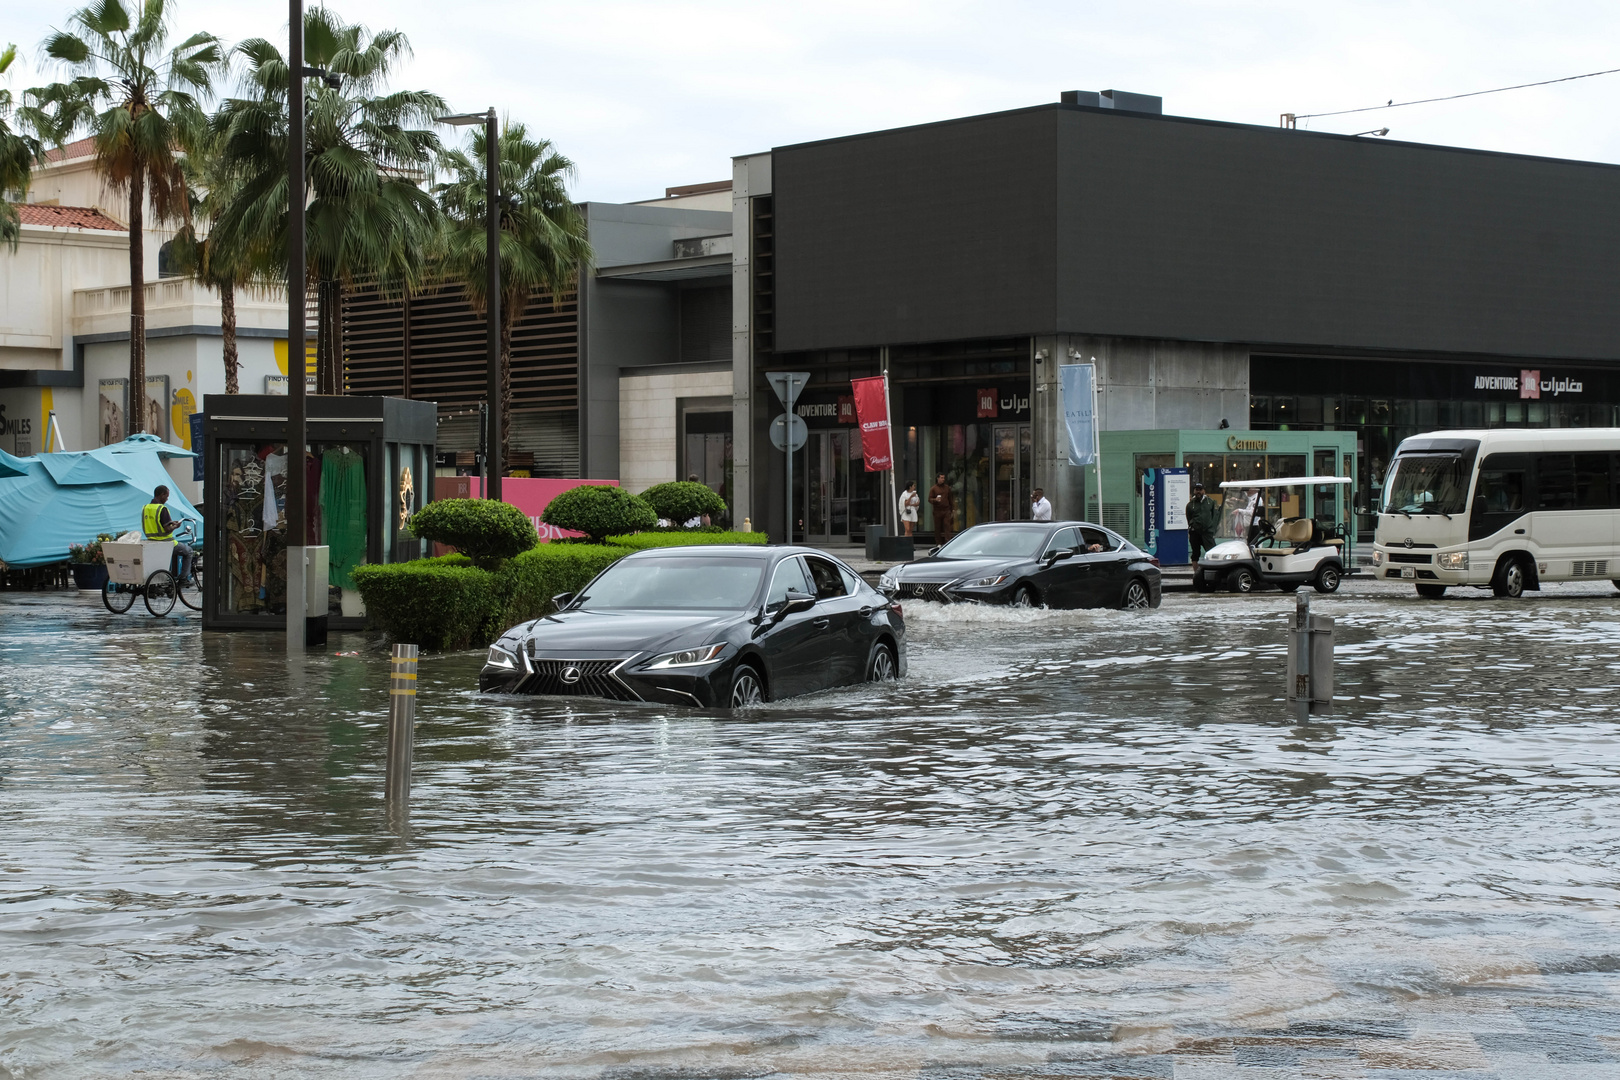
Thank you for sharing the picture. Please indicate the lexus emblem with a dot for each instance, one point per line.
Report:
(570, 675)
(917, 590)
(1409, 542)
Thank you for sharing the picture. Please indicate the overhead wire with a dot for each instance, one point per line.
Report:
(1454, 97)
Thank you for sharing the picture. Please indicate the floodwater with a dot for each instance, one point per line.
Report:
(1076, 844)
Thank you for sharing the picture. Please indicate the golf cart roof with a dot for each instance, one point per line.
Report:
(1287, 481)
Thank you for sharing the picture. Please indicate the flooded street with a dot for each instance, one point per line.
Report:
(1069, 843)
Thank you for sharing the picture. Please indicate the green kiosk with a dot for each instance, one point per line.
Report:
(1212, 457)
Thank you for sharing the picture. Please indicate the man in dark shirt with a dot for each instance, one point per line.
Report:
(943, 500)
(1203, 517)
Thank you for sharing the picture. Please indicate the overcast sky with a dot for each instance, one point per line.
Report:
(643, 95)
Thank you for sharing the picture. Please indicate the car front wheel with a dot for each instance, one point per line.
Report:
(1024, 597)
(747, 688)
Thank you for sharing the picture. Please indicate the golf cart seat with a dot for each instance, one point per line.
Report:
(1296, 533)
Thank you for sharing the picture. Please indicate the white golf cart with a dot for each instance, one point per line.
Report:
(1268, 547)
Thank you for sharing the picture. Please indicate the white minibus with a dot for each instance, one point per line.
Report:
(1505, 509)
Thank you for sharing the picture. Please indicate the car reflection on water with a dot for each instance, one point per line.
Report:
(1058, 564)
(722, 626)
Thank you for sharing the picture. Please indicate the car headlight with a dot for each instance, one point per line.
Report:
(1378, 557)
(500, 658)
(689, 657)
(984, 582)
(1452, 560)
(888, 581)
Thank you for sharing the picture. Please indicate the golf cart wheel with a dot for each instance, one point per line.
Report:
(1137, 596)
(883, 666)
(117, 598)
(1200, 585)
(1241, 580)
(160, 593)
(1024, 597)
(1510, 578)
(747, 688)
(1327, 579)
(1431, 592)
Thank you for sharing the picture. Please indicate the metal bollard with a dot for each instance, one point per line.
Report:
(401, 727)
(1310, 661)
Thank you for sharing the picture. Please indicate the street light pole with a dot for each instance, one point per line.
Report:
(492, 289)
(297, 427)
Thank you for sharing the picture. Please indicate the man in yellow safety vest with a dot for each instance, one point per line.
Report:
(156, 524)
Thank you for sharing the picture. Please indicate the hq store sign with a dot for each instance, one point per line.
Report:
(1529, 384)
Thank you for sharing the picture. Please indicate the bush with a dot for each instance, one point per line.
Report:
(447, 603)
(599, 511)
(677, 538)
(440, 603)
(486, 532)
(683, 500)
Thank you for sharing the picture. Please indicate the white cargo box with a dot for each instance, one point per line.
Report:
(132, 562)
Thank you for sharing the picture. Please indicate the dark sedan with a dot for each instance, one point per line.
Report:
(1060, 564)
(706, 626)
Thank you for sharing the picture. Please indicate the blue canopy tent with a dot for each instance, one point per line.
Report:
(49, 501)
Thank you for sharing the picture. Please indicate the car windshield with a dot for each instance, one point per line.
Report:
(991, 542)
(1426, 484)
(675, 582)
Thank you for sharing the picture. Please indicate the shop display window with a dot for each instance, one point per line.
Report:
(253, 529)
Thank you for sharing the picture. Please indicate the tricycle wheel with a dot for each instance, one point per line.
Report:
(117, 598)
(160, 593)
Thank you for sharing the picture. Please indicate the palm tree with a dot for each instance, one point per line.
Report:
(542, 242)
(201, 251)
(141, 105)
(18, 152)
(367, 153)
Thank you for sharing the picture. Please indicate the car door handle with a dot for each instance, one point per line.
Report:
(1518, 532)
(821, 624)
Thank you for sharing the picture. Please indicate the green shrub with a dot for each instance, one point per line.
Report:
(435, 603)
(599, 511)
(485, 531)
(447, 603)
(683, 500)
(662, 538)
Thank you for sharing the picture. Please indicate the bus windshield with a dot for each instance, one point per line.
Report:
(1426, 484)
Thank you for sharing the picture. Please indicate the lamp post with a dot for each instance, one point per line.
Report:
(492, 288)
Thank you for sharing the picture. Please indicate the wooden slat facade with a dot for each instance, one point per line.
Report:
(430, 346)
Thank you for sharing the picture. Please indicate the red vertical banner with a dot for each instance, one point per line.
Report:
(872, 414)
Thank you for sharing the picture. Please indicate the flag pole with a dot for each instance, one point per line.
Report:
(1096, 433)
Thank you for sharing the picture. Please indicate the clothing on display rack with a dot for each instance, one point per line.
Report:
(343, 511)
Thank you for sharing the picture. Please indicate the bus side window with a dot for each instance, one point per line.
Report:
(1555, 481)
(1592, 482)
(1502, 490)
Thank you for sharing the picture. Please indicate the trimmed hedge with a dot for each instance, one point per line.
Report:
(642, 541)
(486, 532)
(599, 511)
(447, 603)
(682, 500)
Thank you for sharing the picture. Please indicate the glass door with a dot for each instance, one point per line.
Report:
(1012, 446)
(816, 488)
(827, 483)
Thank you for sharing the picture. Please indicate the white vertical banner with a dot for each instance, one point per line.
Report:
(1080, 411)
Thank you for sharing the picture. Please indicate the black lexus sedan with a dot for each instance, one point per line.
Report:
(715, 627)
(1059, 564)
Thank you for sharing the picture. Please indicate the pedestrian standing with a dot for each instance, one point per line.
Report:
(1039, 508)
(943, 500)
(1203, 516)
(910, 500)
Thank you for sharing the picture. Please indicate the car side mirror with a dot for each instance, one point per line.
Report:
(797, 602)
(935, 549)
(562, 600)
(1059, 555)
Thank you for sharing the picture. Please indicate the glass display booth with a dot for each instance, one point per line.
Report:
(368, 465)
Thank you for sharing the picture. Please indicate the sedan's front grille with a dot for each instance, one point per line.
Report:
(579, 678)
(922, 590)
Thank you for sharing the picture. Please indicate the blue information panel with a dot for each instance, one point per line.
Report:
(1165, 493)
(197, 419)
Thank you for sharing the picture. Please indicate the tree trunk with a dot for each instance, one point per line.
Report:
(135, 416)
(506, 388)
(227, 327)
(329, 373)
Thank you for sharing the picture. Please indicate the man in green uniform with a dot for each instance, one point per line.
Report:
(156, 524)
(1203, 517)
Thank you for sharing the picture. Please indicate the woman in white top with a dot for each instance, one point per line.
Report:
(910, 500)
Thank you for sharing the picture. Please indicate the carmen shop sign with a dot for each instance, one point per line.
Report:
(1530, 385)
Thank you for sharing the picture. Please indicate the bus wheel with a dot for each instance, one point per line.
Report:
(1431, 592)
(1510, 577)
